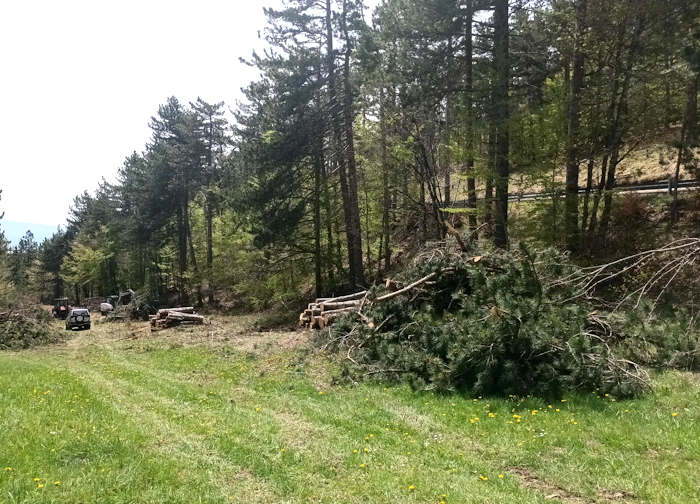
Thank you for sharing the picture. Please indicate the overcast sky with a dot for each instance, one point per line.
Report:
(79, 81)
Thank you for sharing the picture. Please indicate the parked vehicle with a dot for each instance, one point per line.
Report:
(79, 318)
(61, 308)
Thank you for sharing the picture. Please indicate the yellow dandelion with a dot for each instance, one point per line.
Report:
(674, 414)
(56, 483)
(411, 488)
(362, 466)
(320, 392)
(371, 435)
(500, 476)
(563, 400)
(444, 496)
(366, 450)
(40, 485)
(483, 478)
(355, 451)
(409, 453)
(283, 450)
(557, 410)
(9, 469)
(37, 479)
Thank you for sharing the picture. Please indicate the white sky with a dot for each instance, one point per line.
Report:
(80, 79)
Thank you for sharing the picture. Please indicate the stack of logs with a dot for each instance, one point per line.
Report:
(324, 311)
(321, 312)
(169, 317)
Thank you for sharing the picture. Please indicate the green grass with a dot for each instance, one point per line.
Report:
(240, 419)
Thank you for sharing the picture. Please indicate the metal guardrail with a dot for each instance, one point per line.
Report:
(652, 186)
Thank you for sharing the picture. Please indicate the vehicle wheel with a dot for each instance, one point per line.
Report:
(88, 326)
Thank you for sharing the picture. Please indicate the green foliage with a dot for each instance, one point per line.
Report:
(488, 327)
(26, 328)
(661, 340)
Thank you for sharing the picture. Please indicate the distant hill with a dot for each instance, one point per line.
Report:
(15, 230)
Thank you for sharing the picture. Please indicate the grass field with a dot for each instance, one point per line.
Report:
(220, 414)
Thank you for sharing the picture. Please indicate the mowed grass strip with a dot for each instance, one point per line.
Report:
(165, 423)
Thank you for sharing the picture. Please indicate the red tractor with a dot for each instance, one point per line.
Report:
(61, 308)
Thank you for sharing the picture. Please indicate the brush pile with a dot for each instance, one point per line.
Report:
(171, 317)
(27, 327)
(489, 323)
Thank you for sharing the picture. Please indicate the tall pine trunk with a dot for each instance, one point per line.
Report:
(573, 130)
(386, 207)
(354, 228)
(469, 103)
(688, 133)
(501, 116)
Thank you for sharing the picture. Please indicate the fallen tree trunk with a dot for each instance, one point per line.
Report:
(405, 289)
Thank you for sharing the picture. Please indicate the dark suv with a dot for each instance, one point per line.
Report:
(78, 318)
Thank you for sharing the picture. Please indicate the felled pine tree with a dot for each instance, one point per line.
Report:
(492, 324)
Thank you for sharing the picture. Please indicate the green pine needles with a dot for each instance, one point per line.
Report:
(492, 325)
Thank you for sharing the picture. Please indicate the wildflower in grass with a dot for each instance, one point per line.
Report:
(366, 450)
(37, 479)
(500, 476)
(8, 469)
(492, 415)
(483, 478)
(409, 453)
(362, 466)
(444, 496)
(320, 392)
(563, 400)
(355, 451)
(40, 485)
(516, 416)
(283, 450)
(674, 414)
(557, 410)
(534, 412)
(371, 435)
(411, 488)
(56, 483)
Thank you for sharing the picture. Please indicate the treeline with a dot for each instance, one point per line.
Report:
(369, 133)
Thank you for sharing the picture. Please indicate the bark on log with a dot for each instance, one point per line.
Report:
(349, 297)
(337, 305)
(162, 313)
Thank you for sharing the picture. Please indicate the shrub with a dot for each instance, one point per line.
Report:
(27, 328)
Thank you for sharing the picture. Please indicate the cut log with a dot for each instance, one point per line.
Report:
(185, 316)
(337, 305)
(339, 311)
(349, 297)
(162, 313)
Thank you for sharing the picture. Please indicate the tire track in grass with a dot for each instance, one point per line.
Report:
(223, 475)
(330, 471)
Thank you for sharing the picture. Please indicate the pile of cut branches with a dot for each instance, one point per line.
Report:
(494, 323)
(27, 327)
